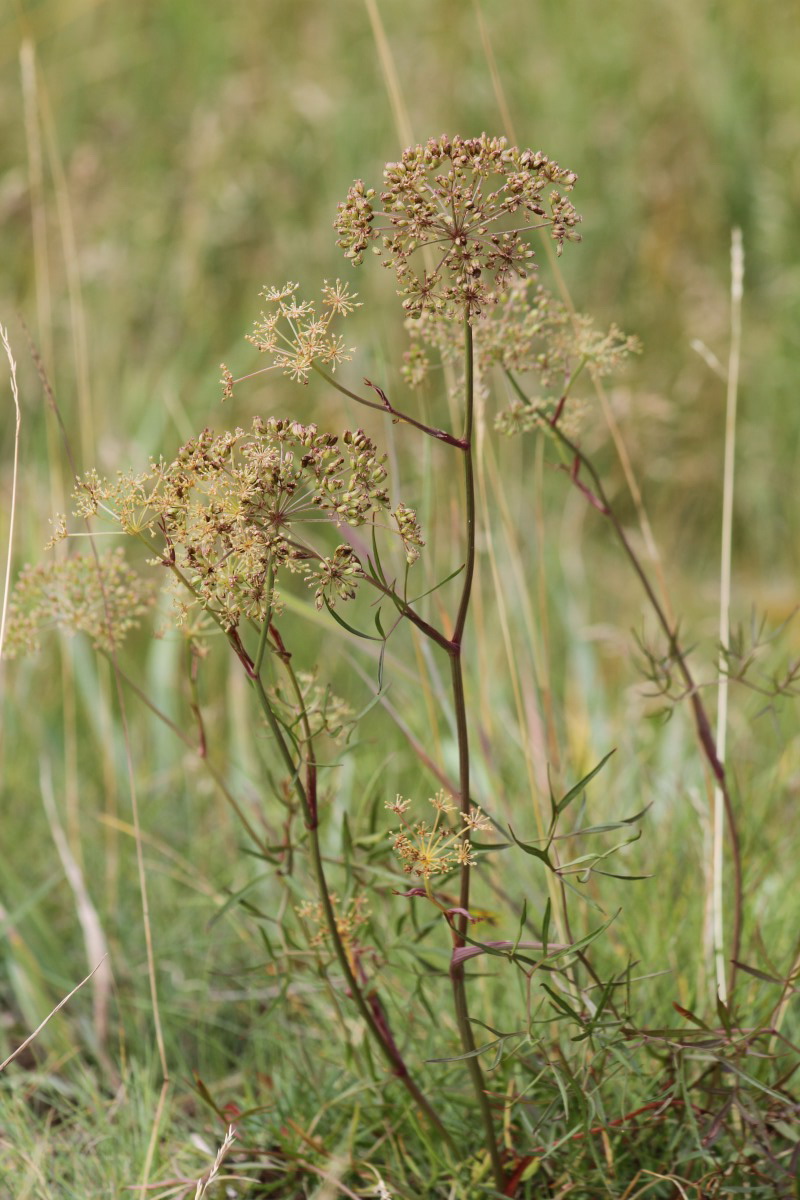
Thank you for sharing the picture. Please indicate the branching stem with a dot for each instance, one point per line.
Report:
(460, 707)
(599, 500)
(384, 406)
(369, 1006)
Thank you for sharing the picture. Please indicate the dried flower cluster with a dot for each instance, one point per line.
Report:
(234, 509)
(296, 335)
(471, 202)
(349, 919)
(527, 331)
(105, 601)
(426, 850)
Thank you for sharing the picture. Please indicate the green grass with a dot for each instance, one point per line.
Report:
(203, 152)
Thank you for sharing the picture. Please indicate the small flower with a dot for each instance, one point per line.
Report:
(475, 820)
(465, 855)
(398, 805)
(427, 850)
(227, 382)
(275, 295)
(338, 297)
(60, 531)
(350, 917)
(296, 336)
(442, 803)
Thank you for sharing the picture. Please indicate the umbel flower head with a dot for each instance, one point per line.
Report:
(296, 335)
(426, 850)
(234, 510)
(471, 202)
(103, 598)
(527, 332)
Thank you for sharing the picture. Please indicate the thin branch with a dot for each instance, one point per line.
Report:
(385, 406)
(596, 495)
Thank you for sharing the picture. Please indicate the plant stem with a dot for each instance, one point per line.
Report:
(369, 1006)
(460, 707)
(262, 641)
(600, 501)
(385, 406)
(469, 487)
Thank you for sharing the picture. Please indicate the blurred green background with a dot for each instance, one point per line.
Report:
(161, 161)
(200, 152)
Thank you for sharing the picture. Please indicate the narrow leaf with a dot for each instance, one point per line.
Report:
(377, 558)
(436, 586)
(381, 665)
(561, 1004)
(522, 918)
(624, 878)
(347, 844)
(754, 971)
(350, 628)
(542, 855)
(609, 825)
(762, 1087)
(565, 801)
(690, 1016)
(723, 1012)
(470, 1054)
(235, 898)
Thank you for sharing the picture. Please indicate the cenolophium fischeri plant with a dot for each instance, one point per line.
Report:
(470, 203)
(235, 515)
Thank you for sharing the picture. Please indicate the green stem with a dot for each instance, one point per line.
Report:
(405, 610)
(469, 485)
(382, 1037)
(460, 706)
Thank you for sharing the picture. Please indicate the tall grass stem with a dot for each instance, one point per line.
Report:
(718, 833)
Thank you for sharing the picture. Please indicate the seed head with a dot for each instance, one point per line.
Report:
(470, 201)
(235, 511)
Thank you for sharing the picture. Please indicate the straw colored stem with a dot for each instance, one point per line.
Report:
(717, 868)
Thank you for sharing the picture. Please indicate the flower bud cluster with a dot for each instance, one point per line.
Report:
(471, 202)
